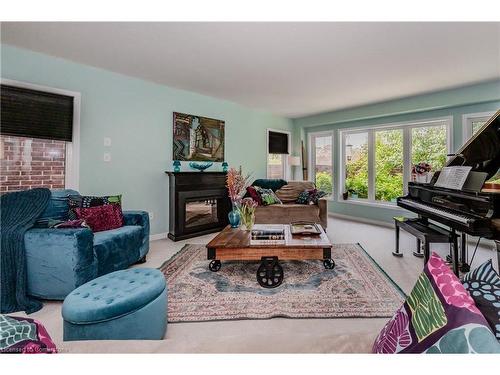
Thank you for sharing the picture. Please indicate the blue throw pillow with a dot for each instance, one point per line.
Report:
(268, 183)
(483, 284)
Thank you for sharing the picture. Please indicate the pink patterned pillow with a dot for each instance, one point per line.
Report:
(438, 316)
(101, 218)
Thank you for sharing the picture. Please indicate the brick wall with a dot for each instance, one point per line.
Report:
(27, 163)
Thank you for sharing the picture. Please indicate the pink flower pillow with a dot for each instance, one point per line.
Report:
(439, 316)
(100, 218)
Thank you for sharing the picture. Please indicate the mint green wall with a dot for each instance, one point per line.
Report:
(471, 99)
(137, 115)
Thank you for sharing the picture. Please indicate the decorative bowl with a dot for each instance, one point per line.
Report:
(200, 167)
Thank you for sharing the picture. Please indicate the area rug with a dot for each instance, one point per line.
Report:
(356, 287)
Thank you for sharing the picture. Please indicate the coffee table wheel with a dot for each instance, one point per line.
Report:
(329, 264)
(270, 273)
(214, 265)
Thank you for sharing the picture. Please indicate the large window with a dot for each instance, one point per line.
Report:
(321, 156)
(278, 149)
(377, 161)
(39, 137)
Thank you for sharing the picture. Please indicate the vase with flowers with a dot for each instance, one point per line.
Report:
(247, 213)
(421, 172)
(236, 185)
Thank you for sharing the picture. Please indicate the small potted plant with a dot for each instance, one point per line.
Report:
(247, 213)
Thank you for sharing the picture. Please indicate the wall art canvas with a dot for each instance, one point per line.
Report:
(198, 138)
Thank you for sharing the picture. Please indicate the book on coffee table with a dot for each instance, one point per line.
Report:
(273, 235)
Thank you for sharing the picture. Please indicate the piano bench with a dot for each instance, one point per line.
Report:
(425, 234)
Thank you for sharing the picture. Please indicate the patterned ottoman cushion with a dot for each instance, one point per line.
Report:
(438, 316)
(483, 284)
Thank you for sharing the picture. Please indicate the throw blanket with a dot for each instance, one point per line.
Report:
(24, 335)
(19, 211)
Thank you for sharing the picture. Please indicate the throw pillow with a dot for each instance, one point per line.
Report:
(87, 201)
(310, 196)
(254, 195)
(483, 284)
(101, 218)
(303, 198)
(269, 183)
(290, 192)
(316, 195)
(439, 316)
(267, 196)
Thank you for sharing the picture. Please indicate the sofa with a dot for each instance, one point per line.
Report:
(60, 260)
(289, 211)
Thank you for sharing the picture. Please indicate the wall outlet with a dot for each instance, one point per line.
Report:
(107, 141)
(151, 216)
(107, 157)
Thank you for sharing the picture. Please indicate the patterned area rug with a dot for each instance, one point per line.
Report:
(356, 287)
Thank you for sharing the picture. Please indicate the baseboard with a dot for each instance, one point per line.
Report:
(362, 220)
(159, 236)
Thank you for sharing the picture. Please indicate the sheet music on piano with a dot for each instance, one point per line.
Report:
(453, 177)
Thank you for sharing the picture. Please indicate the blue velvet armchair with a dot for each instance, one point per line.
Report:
(60, 260)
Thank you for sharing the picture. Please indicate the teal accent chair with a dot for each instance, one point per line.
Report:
(60, 260)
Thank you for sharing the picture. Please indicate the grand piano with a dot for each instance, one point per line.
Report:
(474, 212)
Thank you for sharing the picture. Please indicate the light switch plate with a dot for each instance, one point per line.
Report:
(107, 157)
(107, 141)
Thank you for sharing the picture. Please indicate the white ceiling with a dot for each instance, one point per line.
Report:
(291, 69)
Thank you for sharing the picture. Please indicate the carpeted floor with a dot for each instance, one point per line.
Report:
(355, 288)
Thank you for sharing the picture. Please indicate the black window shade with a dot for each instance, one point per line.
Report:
(278, 143)
(36, 114)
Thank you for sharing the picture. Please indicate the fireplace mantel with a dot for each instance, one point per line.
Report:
(198, 203)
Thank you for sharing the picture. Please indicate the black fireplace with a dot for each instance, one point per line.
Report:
(198, 202)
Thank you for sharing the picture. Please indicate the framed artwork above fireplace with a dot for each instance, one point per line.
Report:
(198, 138)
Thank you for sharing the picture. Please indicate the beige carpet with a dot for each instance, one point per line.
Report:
(355, 288)
(277, 335)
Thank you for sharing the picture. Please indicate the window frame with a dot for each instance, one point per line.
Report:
(72, 157)
(285, 166)
(406, 126)
(467, 119)
(311, 155)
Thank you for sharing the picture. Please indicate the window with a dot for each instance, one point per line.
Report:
(321, 156)
(472, 122)
(356, 164)
(275, 166)
(388, 164)
(377, 161)
(278, 148)
(39, 137)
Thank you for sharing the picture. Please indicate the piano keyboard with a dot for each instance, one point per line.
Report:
(438, 211)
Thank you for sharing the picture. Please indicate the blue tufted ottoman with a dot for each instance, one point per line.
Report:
(122, 305)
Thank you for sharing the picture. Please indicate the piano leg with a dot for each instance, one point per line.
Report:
(427, 252)
(497, 243)
(464, 266)
(418, 253)
(396, 253)
(454, 254)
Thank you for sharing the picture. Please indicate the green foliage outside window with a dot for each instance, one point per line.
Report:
(428, 145)
(324, 182)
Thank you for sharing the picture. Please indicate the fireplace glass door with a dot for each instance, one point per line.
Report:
(201, 212)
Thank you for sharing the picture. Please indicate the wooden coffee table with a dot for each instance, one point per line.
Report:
(234, 244)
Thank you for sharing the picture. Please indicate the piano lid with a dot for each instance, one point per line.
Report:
(482, 151)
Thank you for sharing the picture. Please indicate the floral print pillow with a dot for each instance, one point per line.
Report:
(439, 316)
(483, 284)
